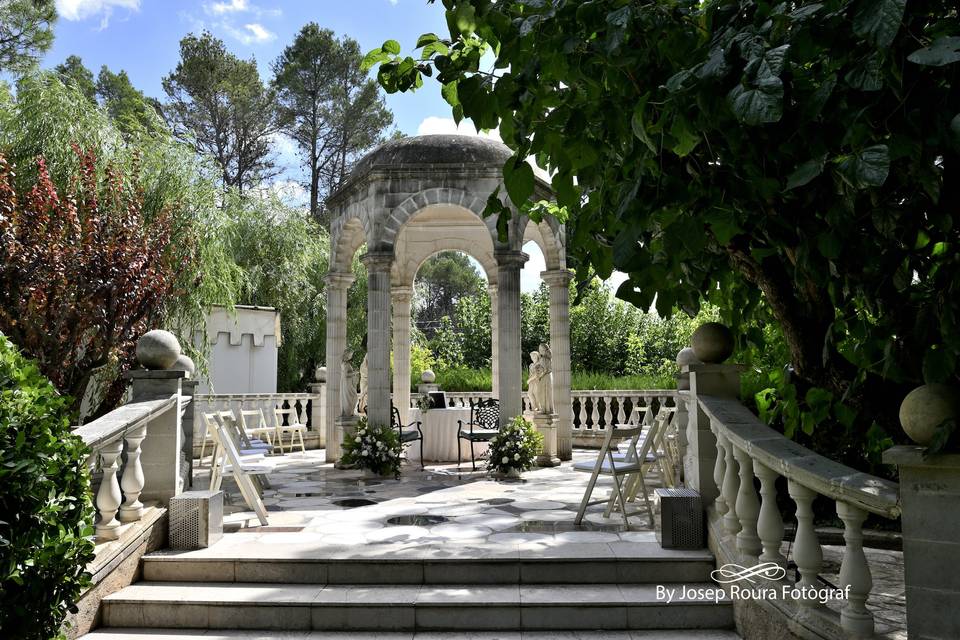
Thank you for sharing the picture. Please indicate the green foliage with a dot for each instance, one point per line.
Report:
(421, 359)
(72, 70)
(789, 162)
(329, 107)
(46, 524)
(26, 33)
(442, 282)
(461, 378)
(515, 447)
(474, 322)
(597, 381)
(374, 447)
(447, 345)
(127, 106)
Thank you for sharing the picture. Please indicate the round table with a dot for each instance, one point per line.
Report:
(440, 442)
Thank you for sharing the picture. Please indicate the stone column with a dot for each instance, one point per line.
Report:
(559, 283)
(378, 336)
(318, 407)
(494, 339)
(510, 363)
(337, 286)
(701, 457)
(929, 502)
(401, 351)
(188, 387)
(160, 451)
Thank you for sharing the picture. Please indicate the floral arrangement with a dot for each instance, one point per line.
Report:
(374, 447)
(424, 403)
(515, 447)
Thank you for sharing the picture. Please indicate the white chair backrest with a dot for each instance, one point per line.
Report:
(238, 436)
(293, 417)
(252, 419)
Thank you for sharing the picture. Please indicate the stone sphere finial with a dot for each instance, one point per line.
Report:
(712, 342)
(686, 356)
(184, 363)
(320, 374)
(158, 349)
(428, 377)
(925, 408)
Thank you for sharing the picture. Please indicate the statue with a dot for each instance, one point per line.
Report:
(348, 386)
(535, 382)
(546, 360)
(364, 383)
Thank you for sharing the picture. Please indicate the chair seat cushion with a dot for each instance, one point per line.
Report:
(478, 434)
(409, 435)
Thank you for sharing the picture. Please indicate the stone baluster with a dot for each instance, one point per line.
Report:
(769, 523)
(650, 415)
(806, 548)
(719, 467)
(855, 619)
(108, 497)
(731, 521)
(607, 413)
(132, 481)
(595, 412)
(748, 508)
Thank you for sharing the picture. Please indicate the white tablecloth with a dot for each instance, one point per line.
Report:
(439, 428)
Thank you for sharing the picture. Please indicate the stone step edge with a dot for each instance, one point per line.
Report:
(122, 633)
(169, 557)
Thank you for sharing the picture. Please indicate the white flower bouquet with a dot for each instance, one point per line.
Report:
(374, 447)
(515, 447)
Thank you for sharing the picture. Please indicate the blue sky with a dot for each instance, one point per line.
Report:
(142, 37)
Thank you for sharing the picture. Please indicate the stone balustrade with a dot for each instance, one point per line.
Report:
(306, 405)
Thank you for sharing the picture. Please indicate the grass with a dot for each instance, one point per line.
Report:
(462, 379)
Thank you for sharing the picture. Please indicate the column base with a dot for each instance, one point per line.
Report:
(346, 428)
(546, 425)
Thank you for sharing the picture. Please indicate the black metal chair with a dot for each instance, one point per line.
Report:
(407, 433)
(483, 425)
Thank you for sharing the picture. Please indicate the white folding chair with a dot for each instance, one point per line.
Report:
(294, 427)
(206, 435)
(245, 444)
(254, 423)
(231, 463)
(633, 463)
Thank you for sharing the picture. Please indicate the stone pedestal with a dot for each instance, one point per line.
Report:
(428, 388)
(721, 380)
(930, 502)
(346, 428)
(189, 388)
(546, 424)
(318, 412)
(161, 450)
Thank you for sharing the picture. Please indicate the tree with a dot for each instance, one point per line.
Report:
(218, 103)
(26, 32)
(328, 107)
(126, 104)
(789, 160)
(443, 280)
(73, 70)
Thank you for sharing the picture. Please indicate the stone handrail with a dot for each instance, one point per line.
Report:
(752, 529)
(266, 401)
(105, 438)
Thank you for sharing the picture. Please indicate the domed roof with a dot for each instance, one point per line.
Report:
(436, 149)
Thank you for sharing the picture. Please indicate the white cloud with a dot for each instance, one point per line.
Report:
(435, 124)
(530, 273)
(82, 9)
(252, 33)
(233, 6)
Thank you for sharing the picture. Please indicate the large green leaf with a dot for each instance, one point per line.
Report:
(518, 178)
(805, 173)
(942, 51)
(879, 20)
(871, 166)
(756, 106)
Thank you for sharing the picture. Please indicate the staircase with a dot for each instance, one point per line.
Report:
(368, 590)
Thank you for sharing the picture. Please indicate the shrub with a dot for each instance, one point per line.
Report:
(45, 543)
(515, 447)
(375, 447)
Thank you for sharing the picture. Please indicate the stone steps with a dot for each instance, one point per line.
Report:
(664, 566)
(467, 607)
(200, 634)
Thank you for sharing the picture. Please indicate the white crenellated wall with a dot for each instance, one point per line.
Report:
(243, 347)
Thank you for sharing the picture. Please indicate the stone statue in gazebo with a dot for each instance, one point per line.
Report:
(535, 382)
(348, 386)
(364, 383)
(546, 361)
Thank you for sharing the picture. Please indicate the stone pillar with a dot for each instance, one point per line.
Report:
(337, 286)
(546, 424)
(510, 363)
(318, 407)
(160, 451)
(188, 387)
(701, 456)
(378, 336)
(559, 283)
(401, 351)
(494, 339)
(929, 502)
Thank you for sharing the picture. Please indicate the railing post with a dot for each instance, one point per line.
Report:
(721, 380)
(189, 387)
(132, 481)
(929, 503)
(318, 407)
(719, 471)
(161, 450)
(855, 619)
(748, 507)
(807, 551)
(769, 523)
(730, 489)
(108, 497)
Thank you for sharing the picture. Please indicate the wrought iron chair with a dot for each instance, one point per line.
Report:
(409, 433)
(483, 425)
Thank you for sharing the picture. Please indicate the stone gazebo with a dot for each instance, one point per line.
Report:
(407, 200)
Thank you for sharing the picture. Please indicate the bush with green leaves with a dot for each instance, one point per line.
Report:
(516, 446)
(46, 514)
(374, 447)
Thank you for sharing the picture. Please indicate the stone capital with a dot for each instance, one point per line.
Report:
(511, 259)
(338, 280)
(492, 290)
(557, 277)
(401, 294)
(379, 262)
